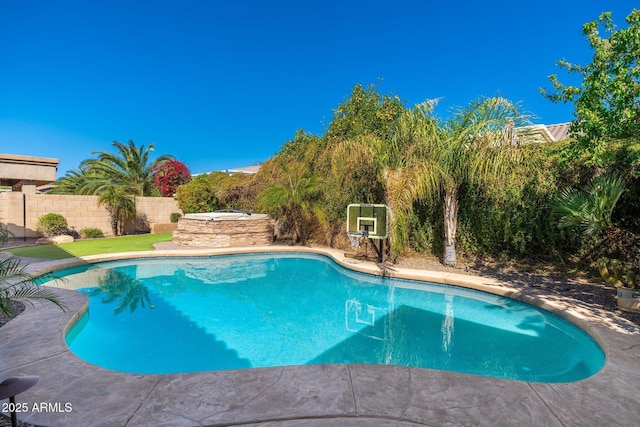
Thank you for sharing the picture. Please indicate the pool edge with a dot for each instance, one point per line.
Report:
(607, 397)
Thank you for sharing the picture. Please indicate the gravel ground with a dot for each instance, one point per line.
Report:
(545, 277)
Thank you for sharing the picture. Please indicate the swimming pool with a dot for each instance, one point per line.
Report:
(245, 311)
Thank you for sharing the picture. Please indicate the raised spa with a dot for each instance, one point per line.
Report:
(224, 229)
(160, 316)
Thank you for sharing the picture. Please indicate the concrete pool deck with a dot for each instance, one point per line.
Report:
(72, 392)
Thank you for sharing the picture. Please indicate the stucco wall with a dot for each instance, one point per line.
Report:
(20, 212)
(15, 168)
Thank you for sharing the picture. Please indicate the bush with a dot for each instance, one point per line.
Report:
(170, 175)
(91, 233)
(52, 224)
(197, 196)
(175, 216)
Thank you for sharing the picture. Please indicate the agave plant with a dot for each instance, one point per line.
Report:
(17, 284)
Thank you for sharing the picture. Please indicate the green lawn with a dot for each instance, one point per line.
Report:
(139, 242)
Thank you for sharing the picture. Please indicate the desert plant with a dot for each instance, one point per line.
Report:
(52, 224)
(91, 233)
(175, 216)
(620, 275)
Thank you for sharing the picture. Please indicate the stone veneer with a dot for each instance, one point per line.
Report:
(223, 233)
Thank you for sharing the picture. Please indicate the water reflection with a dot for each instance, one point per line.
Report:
(447, 327)
(122, 289)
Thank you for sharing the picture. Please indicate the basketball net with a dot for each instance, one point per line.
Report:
(355, 240)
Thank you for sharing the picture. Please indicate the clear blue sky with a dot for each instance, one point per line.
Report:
(223, 84)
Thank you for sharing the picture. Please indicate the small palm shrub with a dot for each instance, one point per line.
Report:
(52, 224)
(16, 284)
(91, 233)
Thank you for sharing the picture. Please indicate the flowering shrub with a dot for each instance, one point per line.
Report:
(169, 175)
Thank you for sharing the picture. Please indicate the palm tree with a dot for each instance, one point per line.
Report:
(76, 181)
(130, 169)
(120, 206)
(591, 210)
(476, 146)
(17, 284)
(117, 178)
(295, 199)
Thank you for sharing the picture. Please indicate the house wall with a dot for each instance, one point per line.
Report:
(15, 168)
(19, 212)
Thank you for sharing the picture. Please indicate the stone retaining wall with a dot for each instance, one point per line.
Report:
(223, 233)
(155, 228)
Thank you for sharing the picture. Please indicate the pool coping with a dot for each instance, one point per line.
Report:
(33, 344)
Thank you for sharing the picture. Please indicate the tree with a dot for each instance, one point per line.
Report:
(197, 196)
(17, 284)
(130, 168)
(362, 169)
(476, 146)
(607, 101)
(365, 112)
(120, 206)
(125, 174)
(170, 175)
(76, 181)
(295, 200)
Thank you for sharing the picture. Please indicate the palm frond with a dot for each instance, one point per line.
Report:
(570, 205)
(16, 283)
(591, 209)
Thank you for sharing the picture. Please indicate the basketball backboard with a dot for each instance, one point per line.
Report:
(368, 220)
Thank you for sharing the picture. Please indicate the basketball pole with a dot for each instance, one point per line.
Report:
(379, 251)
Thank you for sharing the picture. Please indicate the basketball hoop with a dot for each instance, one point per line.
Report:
(368, 221)
(355, 239)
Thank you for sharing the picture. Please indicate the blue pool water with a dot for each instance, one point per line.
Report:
(243, 311)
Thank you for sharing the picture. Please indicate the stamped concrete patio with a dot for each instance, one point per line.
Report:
(320, 395)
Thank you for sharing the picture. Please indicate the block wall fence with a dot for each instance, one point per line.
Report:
(19, 212)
